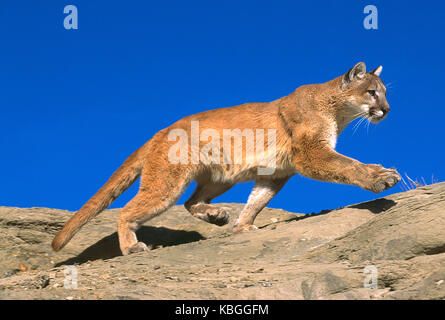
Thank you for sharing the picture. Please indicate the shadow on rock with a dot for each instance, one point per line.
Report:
(108, 247)
(375, 206)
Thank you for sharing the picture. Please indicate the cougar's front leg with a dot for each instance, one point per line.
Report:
(261, 194)
(323, 163)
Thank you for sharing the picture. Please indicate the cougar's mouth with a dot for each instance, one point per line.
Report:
(376, 116)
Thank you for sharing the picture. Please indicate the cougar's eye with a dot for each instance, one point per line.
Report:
(372, 93)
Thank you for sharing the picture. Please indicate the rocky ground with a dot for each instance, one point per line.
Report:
(291, 256)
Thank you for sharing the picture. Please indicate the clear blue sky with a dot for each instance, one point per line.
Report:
(75, 103)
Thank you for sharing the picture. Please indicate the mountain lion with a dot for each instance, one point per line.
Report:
(303, 128)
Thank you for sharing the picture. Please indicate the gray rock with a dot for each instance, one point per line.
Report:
(291, 256)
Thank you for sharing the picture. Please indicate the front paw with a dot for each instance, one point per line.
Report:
(244, 228)
(382, 178)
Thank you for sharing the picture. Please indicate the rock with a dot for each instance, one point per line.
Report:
(414, 226)
(398, 241)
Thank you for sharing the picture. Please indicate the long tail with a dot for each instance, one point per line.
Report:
(120, 181)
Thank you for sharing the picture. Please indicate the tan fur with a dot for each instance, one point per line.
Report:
(307, 124)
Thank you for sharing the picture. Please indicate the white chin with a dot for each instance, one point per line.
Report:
(376, 120)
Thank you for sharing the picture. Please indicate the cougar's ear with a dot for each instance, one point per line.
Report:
(377, 71)
(357, 72)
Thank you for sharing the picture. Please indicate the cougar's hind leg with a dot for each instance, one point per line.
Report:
(261, 194)
(198, 204)
(160, 189)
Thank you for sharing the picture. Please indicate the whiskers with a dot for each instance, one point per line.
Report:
(358, 115)
(364, 116)
(390, 86)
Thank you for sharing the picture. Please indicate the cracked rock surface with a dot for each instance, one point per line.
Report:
(400, 238)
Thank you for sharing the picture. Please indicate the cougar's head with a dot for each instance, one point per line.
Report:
(365, 93)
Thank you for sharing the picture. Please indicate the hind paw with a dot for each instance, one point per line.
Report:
(138, 247)
(221, 218)
(214, 215)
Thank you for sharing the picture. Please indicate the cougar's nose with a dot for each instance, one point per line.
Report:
(385, 110)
